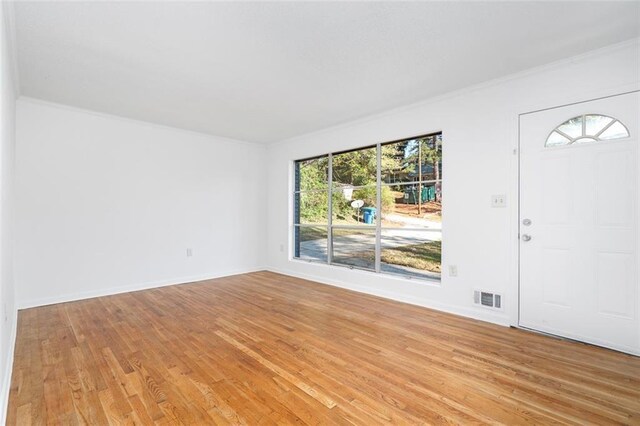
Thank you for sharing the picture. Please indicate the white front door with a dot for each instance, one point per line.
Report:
(579, 192)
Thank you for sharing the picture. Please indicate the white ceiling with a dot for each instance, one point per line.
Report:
(263, 72)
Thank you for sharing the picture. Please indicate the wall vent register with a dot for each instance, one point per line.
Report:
(490, 300)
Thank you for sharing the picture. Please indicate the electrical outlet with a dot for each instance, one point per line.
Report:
(498, 201)
(453, 270)
(189, 252)
(281, 248)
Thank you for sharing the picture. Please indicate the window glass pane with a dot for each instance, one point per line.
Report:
(355, 168)
(572, 127)
(595, 123)
(583, 140)
(354, 247)
(615, 131)
(411, 208)
(400, 160)
(413, 253)
(311, 207)
(556, 139)
(431, 156)
(312, 174)
(402, 207)
(354, 206)
(310, 243)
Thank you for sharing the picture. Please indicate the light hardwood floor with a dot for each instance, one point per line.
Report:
(264, 348)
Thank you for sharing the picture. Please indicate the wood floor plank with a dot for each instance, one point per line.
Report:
(264, 348)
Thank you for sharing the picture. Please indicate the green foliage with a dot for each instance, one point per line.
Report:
(359, 168)
(313, 206)
(356, 168)
(342, 209)
(392, 156)
(427, 150)
(388, 200)
(312, 174)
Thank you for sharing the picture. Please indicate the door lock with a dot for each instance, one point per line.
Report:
(526, 237)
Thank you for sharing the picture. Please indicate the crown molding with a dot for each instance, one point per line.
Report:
(67, 107)
(606, 50)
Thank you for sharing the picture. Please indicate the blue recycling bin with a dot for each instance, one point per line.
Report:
(369, 215)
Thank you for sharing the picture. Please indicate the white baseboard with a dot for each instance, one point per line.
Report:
(474, 313)
(26, 304)
(8, 368)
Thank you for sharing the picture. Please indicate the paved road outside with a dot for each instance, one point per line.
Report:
(358, 250)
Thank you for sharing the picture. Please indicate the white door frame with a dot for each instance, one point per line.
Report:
(515, 320)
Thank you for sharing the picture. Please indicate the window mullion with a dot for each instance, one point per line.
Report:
(354, 233)
(378, 206)
(329, 211)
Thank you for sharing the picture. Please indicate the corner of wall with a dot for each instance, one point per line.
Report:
(9, 92)
(8, 367)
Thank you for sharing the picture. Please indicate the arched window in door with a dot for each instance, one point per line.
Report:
(587, 128)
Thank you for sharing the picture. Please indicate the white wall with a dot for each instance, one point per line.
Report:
(7, 150)
(480, 133)
(106, 204)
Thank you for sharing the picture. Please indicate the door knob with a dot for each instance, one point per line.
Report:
(526, 237)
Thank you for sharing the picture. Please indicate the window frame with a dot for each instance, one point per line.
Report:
(581, 139)
(430, 277)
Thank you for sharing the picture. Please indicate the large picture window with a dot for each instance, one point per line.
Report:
(377, 208)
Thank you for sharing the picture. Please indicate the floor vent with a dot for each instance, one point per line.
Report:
(490, 300)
